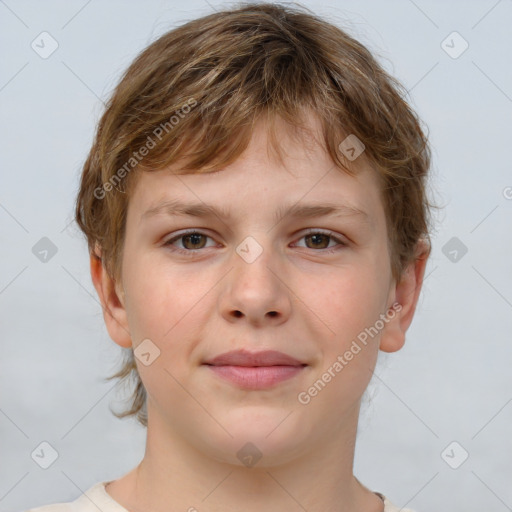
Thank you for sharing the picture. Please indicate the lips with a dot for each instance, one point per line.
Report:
(255, 370)
(246, 358)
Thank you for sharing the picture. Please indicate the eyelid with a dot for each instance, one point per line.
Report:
(332, 234)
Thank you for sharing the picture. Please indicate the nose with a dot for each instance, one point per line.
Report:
(256, 289)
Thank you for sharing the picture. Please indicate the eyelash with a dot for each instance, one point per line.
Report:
(192, 252)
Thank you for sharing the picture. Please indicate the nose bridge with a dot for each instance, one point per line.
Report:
(254, 264)
(255, 288)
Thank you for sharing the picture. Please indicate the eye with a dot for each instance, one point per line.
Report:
(316, 239)
(192, 241)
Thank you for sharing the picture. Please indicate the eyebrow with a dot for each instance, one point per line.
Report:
(202, 210)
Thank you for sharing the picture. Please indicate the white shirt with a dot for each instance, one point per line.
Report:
(97, 498)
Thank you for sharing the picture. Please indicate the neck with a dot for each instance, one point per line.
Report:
(176, 476)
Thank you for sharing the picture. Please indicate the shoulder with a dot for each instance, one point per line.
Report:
(96, 497)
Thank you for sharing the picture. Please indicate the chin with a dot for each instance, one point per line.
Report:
(260, 439)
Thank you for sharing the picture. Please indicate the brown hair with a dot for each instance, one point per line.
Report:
(195, 94)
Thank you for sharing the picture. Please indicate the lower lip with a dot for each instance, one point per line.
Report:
(256, 377)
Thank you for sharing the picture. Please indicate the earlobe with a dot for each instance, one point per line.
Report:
(406, 293)
(112, 302)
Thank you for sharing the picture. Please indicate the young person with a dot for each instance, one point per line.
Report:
(256, 214)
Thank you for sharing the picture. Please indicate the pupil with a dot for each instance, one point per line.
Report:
(316, 238)
(194, 238)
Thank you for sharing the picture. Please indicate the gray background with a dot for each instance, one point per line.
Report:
(451, 382)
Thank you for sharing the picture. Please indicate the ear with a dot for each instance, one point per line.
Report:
(112, 301)
(405, 293)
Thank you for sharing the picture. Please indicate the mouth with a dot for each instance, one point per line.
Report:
(255, 370)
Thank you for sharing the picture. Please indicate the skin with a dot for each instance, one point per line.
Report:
(294, 297)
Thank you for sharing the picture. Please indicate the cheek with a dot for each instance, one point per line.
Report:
(348, 301)
(158, 310)
(350, 305)
(156, 294)
(168, 307)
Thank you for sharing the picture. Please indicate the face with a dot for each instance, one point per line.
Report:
(295, 260)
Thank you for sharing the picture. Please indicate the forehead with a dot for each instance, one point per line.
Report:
(302, 174)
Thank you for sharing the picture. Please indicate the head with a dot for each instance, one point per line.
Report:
(256, 111)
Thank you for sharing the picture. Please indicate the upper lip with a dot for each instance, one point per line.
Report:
(246, 358)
